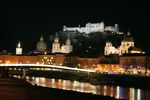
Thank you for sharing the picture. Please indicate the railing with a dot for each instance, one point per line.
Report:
(46, 66)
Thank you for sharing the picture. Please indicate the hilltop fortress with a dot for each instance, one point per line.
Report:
(93, 27)
(92, 39)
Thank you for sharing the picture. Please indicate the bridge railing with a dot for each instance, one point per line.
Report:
(47, 66)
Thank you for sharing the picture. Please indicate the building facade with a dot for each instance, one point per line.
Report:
(38, 59)
(89, 27)
(19, 49)
(93, 27)
(64, 48)
(41, 45)
(135, 60)
(127, 46)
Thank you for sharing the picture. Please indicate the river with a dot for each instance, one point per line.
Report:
(106, 90)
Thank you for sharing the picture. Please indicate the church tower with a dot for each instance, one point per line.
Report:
(68, 45)
(110, 49)
(18, 49)
(126, 43)
(56, 45)
(107, 46)
(68, 41)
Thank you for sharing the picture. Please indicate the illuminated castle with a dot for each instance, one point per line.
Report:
(127, 46)
(93, 27)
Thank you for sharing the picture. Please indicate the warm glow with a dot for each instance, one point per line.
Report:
(49, 66)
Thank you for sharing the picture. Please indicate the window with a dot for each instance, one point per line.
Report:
(127, 44)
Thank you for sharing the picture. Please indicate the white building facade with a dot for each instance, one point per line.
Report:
(110, 49)
(89, 27)
(93, 27)
(64, 48)
(126, 47)
(18, 49)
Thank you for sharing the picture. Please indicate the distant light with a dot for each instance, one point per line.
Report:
(50, 66)
(35, 52)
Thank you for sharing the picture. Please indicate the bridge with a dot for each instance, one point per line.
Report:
(44, 66)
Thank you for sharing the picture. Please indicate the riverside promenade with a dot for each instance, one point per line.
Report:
(17, 89)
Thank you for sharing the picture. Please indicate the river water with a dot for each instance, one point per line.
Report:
(105, 90)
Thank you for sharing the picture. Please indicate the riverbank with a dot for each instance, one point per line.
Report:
(17, 89)
(135, 81)
(95, 78)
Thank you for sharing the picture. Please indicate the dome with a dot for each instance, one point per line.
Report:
(128, 38)
(41, 44)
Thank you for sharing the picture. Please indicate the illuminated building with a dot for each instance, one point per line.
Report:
(134, 60)
(113, 29)
(64, 48)
(110, 49)
(93, 27)
(90, 27)
(136, 63)
(57, 59)
(18, 49)
(88, 63)
(41, 45)
(126, 43)
(127, 46)
(60, 57)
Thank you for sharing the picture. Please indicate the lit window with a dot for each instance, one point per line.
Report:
(45, 57)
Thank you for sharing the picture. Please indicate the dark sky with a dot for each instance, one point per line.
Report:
(27, 20)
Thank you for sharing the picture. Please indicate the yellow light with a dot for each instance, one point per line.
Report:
(45, 57)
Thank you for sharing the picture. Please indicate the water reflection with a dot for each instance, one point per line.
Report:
(139, 94)
(106, 90)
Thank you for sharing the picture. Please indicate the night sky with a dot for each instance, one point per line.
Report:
(27, 20)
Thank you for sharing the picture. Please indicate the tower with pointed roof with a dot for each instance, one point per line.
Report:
(41, 45)
(56, 44)
(18, 49)
(68, 46)
(68, 41)
(65, 48)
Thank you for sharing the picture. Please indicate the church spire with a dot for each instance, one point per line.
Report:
(128, 37)
(128, 33)
(56, 35)
(68, 36)
(19, 45)
(18, 49)
(56, 40)
(68, 41)
(41, 38)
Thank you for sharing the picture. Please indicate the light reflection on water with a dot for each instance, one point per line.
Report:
(106, 90)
